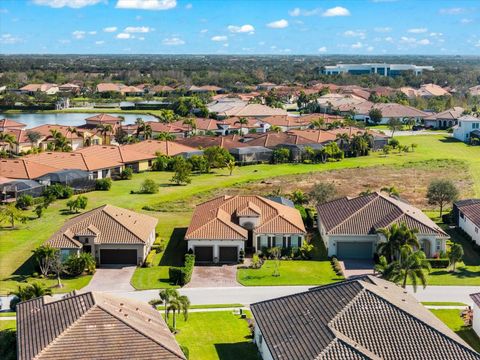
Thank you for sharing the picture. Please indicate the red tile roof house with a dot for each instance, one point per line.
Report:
(112, 235)
(93, 325)
(445, 119)
(390, 111)
(223, 226)
(348, 226)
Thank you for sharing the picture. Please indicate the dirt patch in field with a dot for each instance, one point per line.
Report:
(410, 179)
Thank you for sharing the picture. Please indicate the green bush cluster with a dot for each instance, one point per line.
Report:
(103, 184)
(182, 275)
(439, 263)
(336, 266)
(150, 258)
(58, 191)
(158, 248)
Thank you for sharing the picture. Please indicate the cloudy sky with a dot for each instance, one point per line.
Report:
(240, 26)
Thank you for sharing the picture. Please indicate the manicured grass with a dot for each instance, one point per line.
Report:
(292, 272)
(453, 320)
(16, 245)
(216, 306)
(217, 335)
(8, 324)
(440, 303)
(8, 314)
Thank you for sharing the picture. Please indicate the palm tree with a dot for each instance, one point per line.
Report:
(396, 237)
(230, 164)
(33, 137)
(242, 121)
(140, 126)
(31, 291)
(455, 255)
(317, 124)
(344, 141)
(72, 130)
(104, 130)
(8, 139)
(147, 132)
(165, 136)
(166, 295)
(359, 145)
(411, 265)
(275, 129)
(191, 123)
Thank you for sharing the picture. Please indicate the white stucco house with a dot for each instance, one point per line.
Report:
(349, 226)
(476, 313)
(468, 217)
(468, 127)
(222, 227)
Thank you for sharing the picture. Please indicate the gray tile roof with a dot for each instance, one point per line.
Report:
(365, 318)
(92, 326)
(366, 214)
(471, 209)
(476, 298)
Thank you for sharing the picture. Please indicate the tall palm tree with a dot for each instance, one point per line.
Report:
(147, 132)
(318, 124)
(140, 126)
(71, 130)
(165, 136)
(275, 129)
(411, 265)
(396, 237)
(104, 130)
(176, 305)
(359, 146)
(8, 139)
(33, 137)
(344, 140)
(166, 295)
(242, 121)
(191, 123)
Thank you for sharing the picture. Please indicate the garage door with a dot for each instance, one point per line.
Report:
(118, 256)
(228, 254)
(354, 250)
(204, 253)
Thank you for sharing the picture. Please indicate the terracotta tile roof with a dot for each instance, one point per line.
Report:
(23, 169)
(233, 123)
(104, 118)
(471, 211)
(19, 134)
(130, 89)
(327, 118)
(10, 124)
(450, 114)
(104, 87)
(152, 147)
(112, 225)
(365, 318)
(272, 139)
(218, 218)
(315, 136)
(172, 128)
(367, 214)
(70, 160)
(161, 88)
(398, 110)
(45, 130)
(204, 141)
(111, 155)
(37, 87)
(109, 328)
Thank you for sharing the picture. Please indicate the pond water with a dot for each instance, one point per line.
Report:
(69, 119)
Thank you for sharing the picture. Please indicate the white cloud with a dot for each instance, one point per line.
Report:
(279, 24)
(466, 21)
(75, 4)
(64, 41)
(219, 38)
(137, 29)
(477, 44)
(336, 11)
(173, 41)
(370, 48)
(141, 38)
(322, 49)
(357, 45)
(247, 28)
(411, 41)
(203, 31)
(383, 29)
(9, 39)
(146, 4)
(124, 36)
(261, 43)
(436, 34)
(92, 33)
(388, 39)
(303, 12)
(99, 42)
(225, 45)
(78, 34)
(110, 29)
(423, 42)
(188, 6)
(452, 11)
(417, 30)
(355, 33)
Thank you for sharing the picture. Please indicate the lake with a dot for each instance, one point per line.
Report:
(70, 119)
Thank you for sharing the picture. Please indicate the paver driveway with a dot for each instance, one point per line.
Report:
(353, 268)
(111, 278)
(214, 276)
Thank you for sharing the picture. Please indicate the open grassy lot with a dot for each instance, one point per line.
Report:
(8, 324)
(453, 320)
(16, 245)
(217, 335)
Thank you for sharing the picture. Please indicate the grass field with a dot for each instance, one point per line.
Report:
(16, 245)
(217, 335)
(442, 303)
(453, 320)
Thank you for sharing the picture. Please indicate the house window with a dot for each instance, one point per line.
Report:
(461, 215)
(287, 241)
(476, 230)
(260, 339)
(270, 241)
(438, 245)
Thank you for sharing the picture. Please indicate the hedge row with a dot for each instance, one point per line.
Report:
(439, 263)
(182, 275)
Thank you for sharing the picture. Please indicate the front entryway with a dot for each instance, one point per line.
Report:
(354, 250)
(118, 256)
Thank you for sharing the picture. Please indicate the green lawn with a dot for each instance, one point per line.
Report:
(8, 314)
(16, 245)
(8, 324)
(453, 320)
(216, 306)
(443, 303)
(217, 335)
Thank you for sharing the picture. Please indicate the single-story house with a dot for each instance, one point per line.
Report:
(153, 147)
(205, 141)
(8, 124)
(359, 319)
(223, 226)
(445, 119)
(77, 179)
(31, 89)
(349, 226)
(24, 169)
(108, 327)
(251, 154)
(111, 234)
(467, 217)
(390, 111)
(12, 189)
(476, 313)
(467, 129)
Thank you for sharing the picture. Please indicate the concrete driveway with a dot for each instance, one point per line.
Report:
(111, 278)
(354, 268)
(214, 276)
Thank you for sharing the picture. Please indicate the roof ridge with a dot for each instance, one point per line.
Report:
(357, 211)
(121, 224)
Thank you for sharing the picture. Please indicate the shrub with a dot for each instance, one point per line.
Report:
(103, 184)
(182, 275)
(161, 163)
(281, 155)
(76, 265)
(150, 258)
(336, 266)
(310, 219)
(185, 351)
(241, 257)
(256, 262)
(175, 275)
(24, 202)
(158, 248)
(39, 211)
(439, 263)
(126, 174)
(14, 302)
(57, 191)
(149, 187)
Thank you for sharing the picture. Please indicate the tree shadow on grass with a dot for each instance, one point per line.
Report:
(240, 350)
(24, 271)
(460, 273)
(176, 248)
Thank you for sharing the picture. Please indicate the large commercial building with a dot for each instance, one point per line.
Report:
(374, 68)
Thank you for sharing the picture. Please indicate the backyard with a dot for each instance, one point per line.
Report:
(15, 249)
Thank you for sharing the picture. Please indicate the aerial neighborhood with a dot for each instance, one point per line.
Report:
(191, 183)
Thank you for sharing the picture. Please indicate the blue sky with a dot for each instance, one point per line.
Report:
(240, 27)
